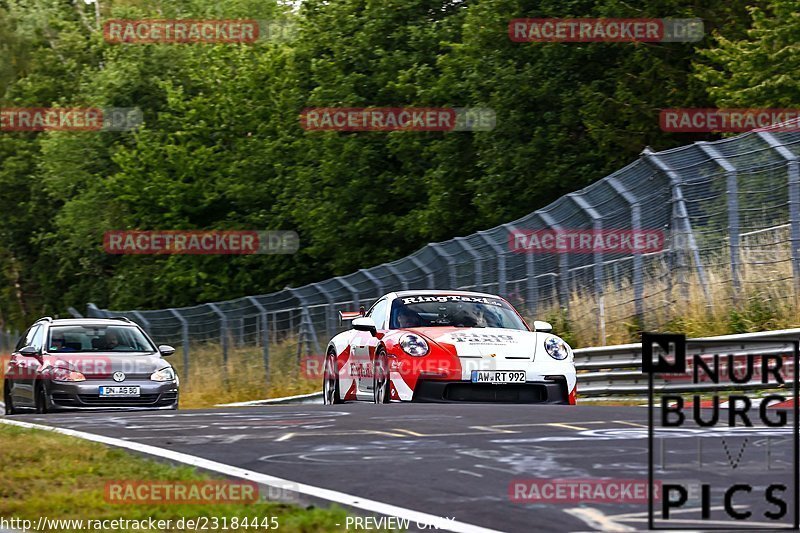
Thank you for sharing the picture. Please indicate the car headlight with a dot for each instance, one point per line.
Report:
(414, 345)
(165, 374)
(65, 374)
(556, 348)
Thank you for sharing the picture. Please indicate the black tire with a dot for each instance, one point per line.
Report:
(381, 392)
(42, 402)
(331, 394)
(9, 403)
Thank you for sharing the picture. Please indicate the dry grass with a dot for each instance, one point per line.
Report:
(210, 382)
(767, 300)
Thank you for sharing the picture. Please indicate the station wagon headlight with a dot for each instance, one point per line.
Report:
(414, 345)
(65, 374)
(556, 348)
(165, 374)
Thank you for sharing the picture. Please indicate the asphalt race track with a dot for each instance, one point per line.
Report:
(446, 460)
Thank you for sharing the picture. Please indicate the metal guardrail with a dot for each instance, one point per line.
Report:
(617, 369)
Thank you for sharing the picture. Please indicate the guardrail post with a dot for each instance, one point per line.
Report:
(477, 264)
(185, 340)
(262, 311)
(793, 169)
(223, 333)
(681, 217)
(597, 267)
(732, 196)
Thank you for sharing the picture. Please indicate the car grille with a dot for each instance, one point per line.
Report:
(144, 400)
(479, 392)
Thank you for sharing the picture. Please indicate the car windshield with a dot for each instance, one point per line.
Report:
(97, 338)
(453, 310)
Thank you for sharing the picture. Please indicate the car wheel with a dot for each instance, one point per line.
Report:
(330, 381)
(7, 399)
(380, 378)
(42, 403)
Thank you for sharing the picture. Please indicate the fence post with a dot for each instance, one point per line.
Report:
(478, 262)
(794, 204)
(502, 278)
(223, 333)
(265, 335)
(681, 215)
(563, 265)
(374, 279)
(142, 320)
(185, 340)
(597, 267)
(732, 196)
(425, 270)
(638, 263)
(352, 290)
(451, 264)
(393, 269)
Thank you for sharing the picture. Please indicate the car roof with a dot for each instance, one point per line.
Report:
(429, 292)
(91, 321)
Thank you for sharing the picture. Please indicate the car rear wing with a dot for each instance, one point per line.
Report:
(350, 315)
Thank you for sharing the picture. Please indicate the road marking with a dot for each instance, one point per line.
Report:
(492, 429)
(414, 433)
(634, 424)
(568, 426)
(597, 520)
(285, 437)
(342, 498)
(467, 472)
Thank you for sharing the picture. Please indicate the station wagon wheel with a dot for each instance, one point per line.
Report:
(7, 399)
(42, 406)
(330, 381)
(380, 378)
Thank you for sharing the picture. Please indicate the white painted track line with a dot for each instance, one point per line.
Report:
(264, 479)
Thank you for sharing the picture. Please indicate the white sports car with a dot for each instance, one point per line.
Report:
(447, 346)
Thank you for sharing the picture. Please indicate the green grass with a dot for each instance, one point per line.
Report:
(51, 475)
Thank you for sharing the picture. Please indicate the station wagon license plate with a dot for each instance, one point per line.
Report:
(120, 391)
(498, 376)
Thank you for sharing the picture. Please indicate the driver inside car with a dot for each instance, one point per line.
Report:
(406, 318)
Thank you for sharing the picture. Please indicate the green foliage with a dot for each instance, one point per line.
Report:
(221, 146)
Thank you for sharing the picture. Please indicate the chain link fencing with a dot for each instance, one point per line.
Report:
(729, 213)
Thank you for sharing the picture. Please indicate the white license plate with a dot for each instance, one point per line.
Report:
(498, 376)
(120, 391)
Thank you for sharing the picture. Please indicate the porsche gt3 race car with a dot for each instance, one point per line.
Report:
(447, 346)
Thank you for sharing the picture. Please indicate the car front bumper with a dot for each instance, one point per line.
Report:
(86, 395)
(541, 392)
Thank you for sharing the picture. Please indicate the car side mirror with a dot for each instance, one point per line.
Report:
(166, 350)
(365, 324)
(29, 351)
(541, 325)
